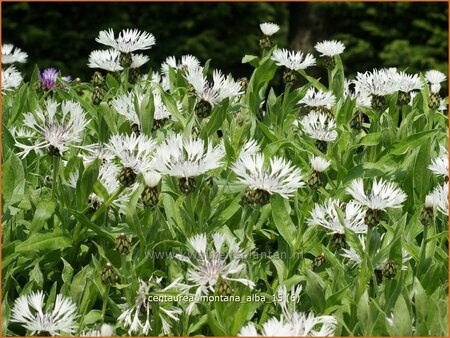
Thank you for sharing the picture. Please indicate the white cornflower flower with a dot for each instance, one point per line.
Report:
(435, 77)
(187, 157)
(105, 59)
(317, 98)
(161, 112)
(11, 54)
(212, 93)
(187, 63)
(293, 60)
(137, 60)
(353, 90)
(105, 330)
(52, 131)
(11, 79)
(279, 177)
(327, 217)
(134, 152)
(330, 48)
(138, 318)
(439, 165)
(319, 126)
(439, 196)
(151, 178)
(273, 327)
(269, 28)
(319, 164)
(377, 82)
(161, 80)
(212, 265)
(28, 311)
(383, 194)
(406, 82)
(128, 40)
(124, 105)
(288, 300)
(297, 324)
(97, 151)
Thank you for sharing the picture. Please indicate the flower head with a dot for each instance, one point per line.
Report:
(210, 265)
(383, 195)
(293, 60)
(406, 82)
(378, 82)
(439, 198)
(138, 318)
(317, 98)
(330, 48)
(105, 330)
(125, 106)
(439, 165)
(327, 217)
(354, 90)
(187, 63)
(48, 78)
(11, 79)
(435, 76)
(128, 40)
(269, 28)
(221, 88)
(319, 164)
(11, 54)
(187, 157)
(134, 152)
(28, 311)
(105, 59)
(277, 177)
(319, 126)
(52, 131)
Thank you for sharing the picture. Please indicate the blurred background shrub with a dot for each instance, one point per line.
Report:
(411, 36)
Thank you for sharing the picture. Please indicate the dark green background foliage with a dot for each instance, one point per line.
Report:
(412, 35)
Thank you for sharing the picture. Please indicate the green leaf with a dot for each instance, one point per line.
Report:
(44, 211)
(54, 240)
(37, 276)
(282, 220)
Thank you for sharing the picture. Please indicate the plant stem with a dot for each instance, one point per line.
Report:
(105, 302)
(55, 175)
(106, 203)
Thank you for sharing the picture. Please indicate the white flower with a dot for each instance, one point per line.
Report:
(187, 157)
(352, 254)
(383, 195)
(221, 88)
(318, 98)
(273, 327)
(105, 59)
(187, 63)
(124, 105)
(134, 152)
(11, 54)
(96, 151)
(28, 311)
(151, 178)
(161, 112)
(353, 90)
(319, 164)
(279, 177)
(292, 59)
(55, 132)
(406, 82)
(378, 82)
(11, 79)
(129, 40)
(105, 330)
(269, 28)
(319, 126)
(435, 76)
(327, 217)
(330, 48)
(439, 165)
(439, 198)
(137, 60)
(211, 264)
(297, 324)
(138, 318)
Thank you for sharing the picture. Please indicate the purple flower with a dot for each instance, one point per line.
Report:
(48, 78)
